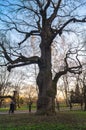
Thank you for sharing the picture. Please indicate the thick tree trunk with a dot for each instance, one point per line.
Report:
(46, 96)
(46, 103)
(85, 101)
(84, 93)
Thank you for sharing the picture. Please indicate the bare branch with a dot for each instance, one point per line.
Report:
(56, 8)
(25, 61)
(5, 53)
(33, 32)
(70, 20)
(6, 96)
(77, 69)
(21, 59)
(39, 4)
(47, 5)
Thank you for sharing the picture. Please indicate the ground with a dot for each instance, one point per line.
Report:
(69, 120)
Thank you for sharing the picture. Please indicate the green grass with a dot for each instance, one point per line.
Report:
(21, 108)
(4, 109)
(74, 120)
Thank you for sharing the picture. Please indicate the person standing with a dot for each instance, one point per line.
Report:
(12, 107)
(30, 105)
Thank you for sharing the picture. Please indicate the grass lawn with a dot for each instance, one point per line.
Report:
(72, 120)
(21, 108)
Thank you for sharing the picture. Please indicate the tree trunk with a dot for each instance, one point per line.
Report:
(84, 89)
(46, 96)
(85, 101)
(0, 103)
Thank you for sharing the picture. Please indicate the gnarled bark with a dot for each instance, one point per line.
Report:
(46, 96)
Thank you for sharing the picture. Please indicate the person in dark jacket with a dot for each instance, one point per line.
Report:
(12, 107)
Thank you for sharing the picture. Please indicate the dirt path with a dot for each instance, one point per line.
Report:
(17, 112)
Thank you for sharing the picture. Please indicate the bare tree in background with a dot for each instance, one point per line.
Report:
(5, 84)
(47, 20)
(30, 93)
(83, 84)
(18, 84)
(66, 89)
